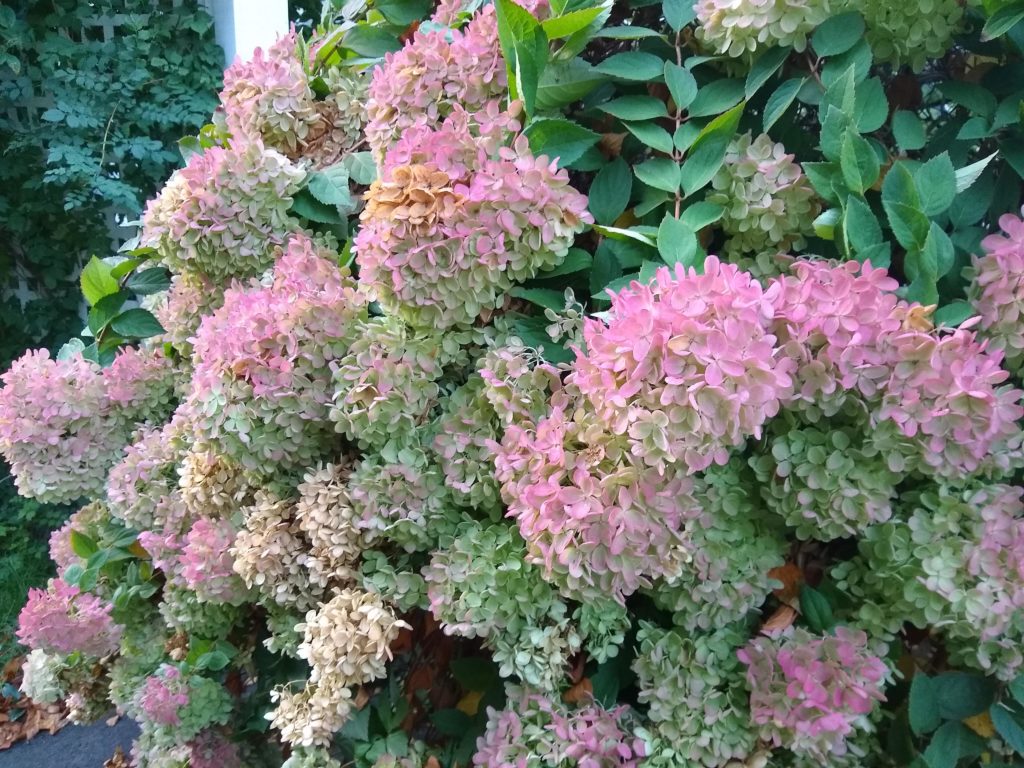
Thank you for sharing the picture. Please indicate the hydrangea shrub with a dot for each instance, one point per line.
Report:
(552, 385)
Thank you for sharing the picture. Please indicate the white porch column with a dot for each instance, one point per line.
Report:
(242, 26)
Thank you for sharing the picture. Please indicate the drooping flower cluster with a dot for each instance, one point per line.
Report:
(453, 222)
(908, 33)
(810, 693)
(63, 619)
(997, 291)
(535, 730)
(225, 212)
(261, 387)
(743, 27)
(768, 203)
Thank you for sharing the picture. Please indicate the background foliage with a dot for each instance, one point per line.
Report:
(109, 138)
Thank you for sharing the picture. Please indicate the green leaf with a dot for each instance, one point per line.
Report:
(950, 743)
(562, 83)
(838, 34)
(923, 705)
(833, 131)
(861, 225)
(610, 191)
(1016, 689)
(677, 242)
(97, 281)
(762, 70)
(858, 162)
(136, 323)
(542, 297)
(871, 107)
(330, 185)
(716, 97)
(525, 48)
(678, 13)
(475, 673)
(361, 167)
(822, 176)
(1009, 725)
(618, 233)
(708, 151)
(971, 96)
(1003, 20)
(213, 661)
(909, 225)
(681, 84)
(825, 224)
(780, 100)
(954, 313)
(660, 173)
(122, 268)
(936, 184)
(403, 12)
(105, 310)
(576, 260)
(606, 269)
(969, 174)
(651, 134)
(962, 694)
(570, 23)
(308, 207)
(627, 33)
(559, 138)
(700, 215)
(635, 108)
(815, 609)
(908, 130)
(371, 41)
(632, 65)
(82, 545)
(149, 281)
(899, 187)
(451, 722)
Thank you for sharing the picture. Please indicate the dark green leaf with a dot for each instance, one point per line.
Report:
(308, 207)
(708, 151)
(627, 33)
(954, 313)
(475, 673)
(858, 162)
(451, 722)
(371, 41)
(635, 108)
(971, 96)
(403, 12)
(815, 609)
(936, 184)
(762, 70)
(136, 323)
(606, 269)
(559, 139)
(149, 281)
(700, 215)
(923, 705)
(838, 34)
(716, 97)
(951, 742)
(861, 225)
(909, 225)
(576, 260)
(82, 545)
(660, 173)
(871, 107)
(563, 83)
(1004, 19)
(681, 84)
(330, 185)
(632, 65)
(677, 242)
(678, 13)
(1009, 725)
(1016, 689)
(213, 661)
(105, 310)
(610, 191)
(908, 130)
(780, 101)
(651, 134)
(962, 694)
(542, 297)
(525, 48)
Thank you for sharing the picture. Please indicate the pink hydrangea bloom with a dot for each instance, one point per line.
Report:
(810, 693)
(948, 394)
(269, 98)
(57, 429)
(206, 564)
(687, 368)
(600, 526)
(534, 726)
(63, 619)
(60, 547)
(163, 695)
(453, 222)
(262, 385)
(164, 548)
(223, 214)
(146, 475)
(140, 384)
(997, 292)
(190, 298)
(211, 750)
(829, 319)
(436, 71)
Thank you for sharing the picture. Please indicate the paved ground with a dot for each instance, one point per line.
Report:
(75, 746)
